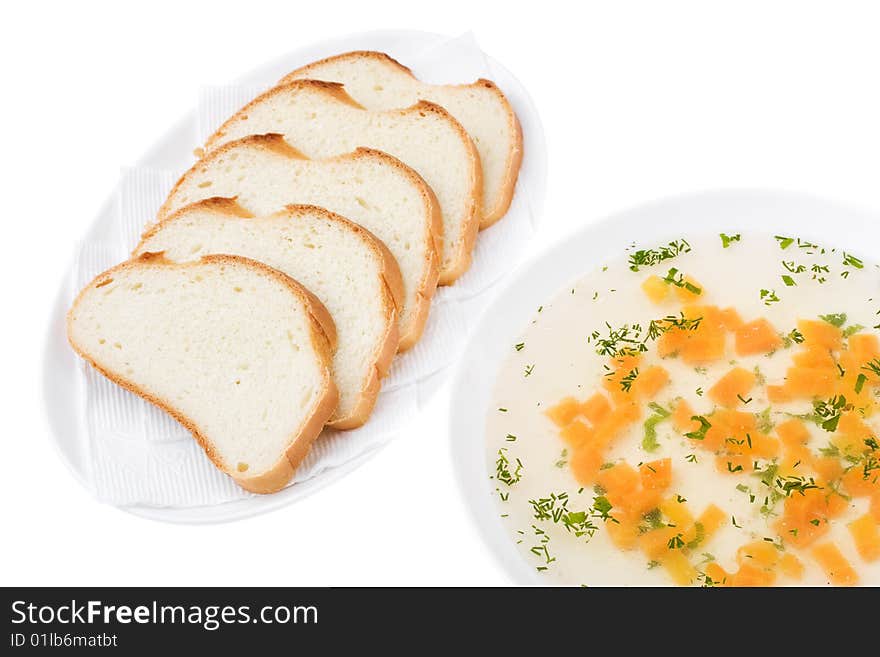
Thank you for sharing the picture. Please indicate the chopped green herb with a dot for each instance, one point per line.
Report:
(852, 261)
(835, 319)
(699, 434)
(650, 257)
(675, 542)
(788, 280)
(726, 240)
(627, 381)
(784, 242)
(503, 471)
(649, 442)
(510, 438)
(793, 337)
(673, 277)
(529, 369)
(769, 297)
(519, 346)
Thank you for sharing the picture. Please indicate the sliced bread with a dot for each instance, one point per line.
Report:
(379, 82)
(342, 264)
(265, 174)
(320, 120)
(235, 351)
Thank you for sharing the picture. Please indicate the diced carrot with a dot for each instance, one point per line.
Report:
(866, 534)
(712, 518)
(835, 504)
(564, 412)
(642, 500)
(727, 427)
(615, 388)
(649, 381)
(655, 288)
(811, 382)
(836, 567)
(585, 464)
(757, 337)
(656, 474)
(793, 432)
(576, 433)
(761, 554)
(656, 542)
(814, 356)
(619, 419)
(690, 291)
(749, 575)
(875, 506)
(796, 462)
(620, 478)
(679, 568)
(866, 345)
(827, 467)
(778, 394)
(820, 333)
(677, 512)
(694, 345)
(791, 566)
(623, 533)
(681, 417)
(596, 408)
(851, 424)
(732, 388)
(717, 574)
(760, 445)
(730, 319)
(859, 483)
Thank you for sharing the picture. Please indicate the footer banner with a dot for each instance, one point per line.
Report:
(257, 620)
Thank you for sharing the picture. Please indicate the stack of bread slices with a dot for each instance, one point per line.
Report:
(292, 262)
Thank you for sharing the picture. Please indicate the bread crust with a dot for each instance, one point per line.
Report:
(411, 332)
(392, 294)
(491, 214)
(472, 215)
(321, 328)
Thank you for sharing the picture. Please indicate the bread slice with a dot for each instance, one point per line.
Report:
(349, 270)
(320, 120)
(379, 82)
(235, 351)
(264, 174)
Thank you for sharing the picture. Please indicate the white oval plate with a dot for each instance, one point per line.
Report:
(538, 280)
(173, 152)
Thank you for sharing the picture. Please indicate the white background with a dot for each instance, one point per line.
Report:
(639, 100)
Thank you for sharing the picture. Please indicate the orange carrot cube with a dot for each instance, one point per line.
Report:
(866, 534)
(793, 432)
(757, 337)
(819, 333)
(655, 288)
(656, 474)
(733, 387)
(596, 408)
(576, 434)
(564, 412)
(836, 567)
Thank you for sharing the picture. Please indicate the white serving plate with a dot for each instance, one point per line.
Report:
(173, 151)
(538, 280)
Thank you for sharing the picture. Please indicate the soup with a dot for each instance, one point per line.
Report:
(698, 412)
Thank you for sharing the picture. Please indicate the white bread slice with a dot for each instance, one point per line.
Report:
(264, 174)
(379, 82)
(343, 265)
(320, 120)
(235, 351)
